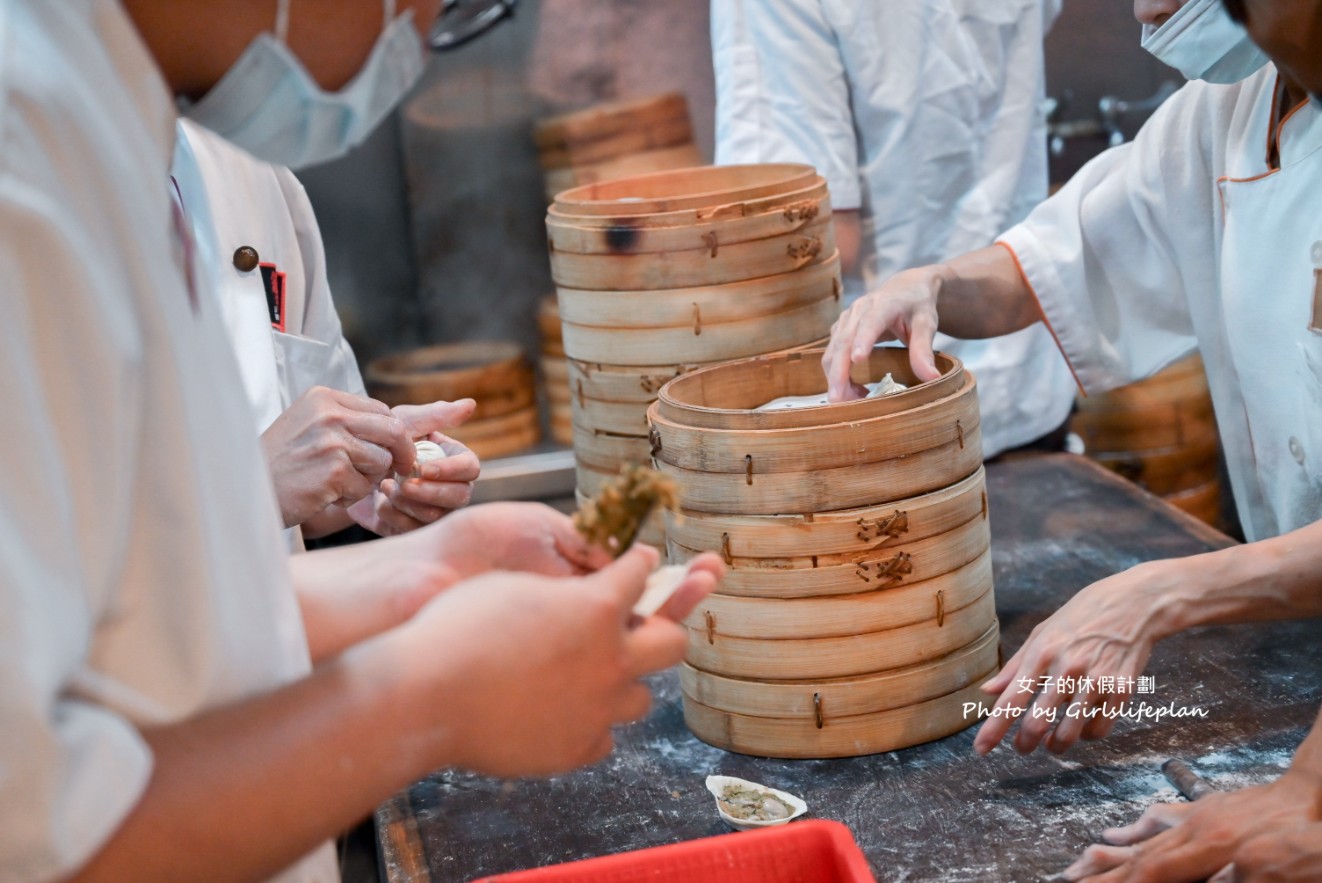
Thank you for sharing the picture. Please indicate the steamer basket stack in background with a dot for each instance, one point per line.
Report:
(496, 374)
(1160, 433)
(615, 140)
(658, 274)
(857, 612)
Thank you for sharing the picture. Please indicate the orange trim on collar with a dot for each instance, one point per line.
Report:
(1037, 301)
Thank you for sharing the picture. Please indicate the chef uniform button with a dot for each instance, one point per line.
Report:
(1316, 253)
(245, 258)
(1296, 450)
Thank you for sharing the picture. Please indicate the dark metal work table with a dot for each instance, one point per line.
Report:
(934, 812)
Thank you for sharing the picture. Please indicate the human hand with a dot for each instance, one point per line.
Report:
(1107, 629)
(1292, 856)
(903, 309)
(536, 671)
(440, 487)
(332, 447)
(511, 536)
(1171, 843)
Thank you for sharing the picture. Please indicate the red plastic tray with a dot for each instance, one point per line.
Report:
(815, 851)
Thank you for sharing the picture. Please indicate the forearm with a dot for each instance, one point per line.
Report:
(1279, 578)
(351, 593)
(848, 235)
(983, 294)
(243, 791)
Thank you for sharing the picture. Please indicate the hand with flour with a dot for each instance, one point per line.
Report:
(351, 593)
(436, 487)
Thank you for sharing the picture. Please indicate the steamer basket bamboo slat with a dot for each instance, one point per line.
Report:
(909, 563)
(702, 340)
(783, 613)
(614, 418)
(711, 304)
(667, 198)
(666, 134)
(836, 737)
(556, 372)
(837, 656)
(606, 452)
(621, 383)
(844, 697)
(494, 373)
(886, 526)
(699, 263)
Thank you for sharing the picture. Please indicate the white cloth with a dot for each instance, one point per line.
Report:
(1151, 252)
(926, 116)
(141, 574)
(232, 199)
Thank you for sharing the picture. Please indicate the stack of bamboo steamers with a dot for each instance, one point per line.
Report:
(662, 273)
(857, 612)
(615, 140)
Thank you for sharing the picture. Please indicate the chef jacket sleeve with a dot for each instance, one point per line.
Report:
(1114, 256)
(71, 769)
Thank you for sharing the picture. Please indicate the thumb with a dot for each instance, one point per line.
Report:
(626, 576)
(422, 420)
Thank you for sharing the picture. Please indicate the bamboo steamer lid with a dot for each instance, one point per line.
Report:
(703, 189)
(494, 373)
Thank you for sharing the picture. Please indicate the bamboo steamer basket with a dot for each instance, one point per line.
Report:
(857, 550)
(500, 436)
(1160, 433)
(826, 458)
(495, 374)
(656, 159)
(634, 253)
(839, 717)
(613, 129)
(695, 325)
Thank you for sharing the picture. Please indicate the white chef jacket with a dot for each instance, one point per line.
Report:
(232, 199)
(926, 116)
(1187, 239)
(142, 579)
(280, 318)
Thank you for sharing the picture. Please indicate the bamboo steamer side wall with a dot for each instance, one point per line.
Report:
(1160, 433)
(857, 612)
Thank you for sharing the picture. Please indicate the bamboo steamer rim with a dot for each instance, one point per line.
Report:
(606, 118)
(856, 694)
(675, 399)
(627, 215)
(478, 367)
(679, 189)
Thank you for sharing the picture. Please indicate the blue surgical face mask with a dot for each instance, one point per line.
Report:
(269, 104)
(1202, 42)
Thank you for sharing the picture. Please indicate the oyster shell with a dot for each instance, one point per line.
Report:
(744, 804)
